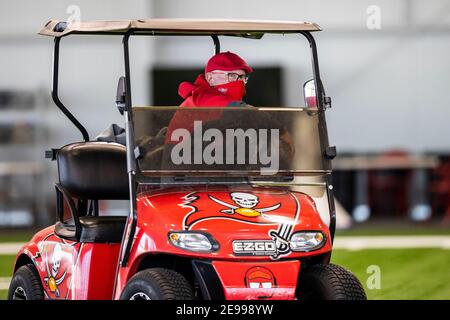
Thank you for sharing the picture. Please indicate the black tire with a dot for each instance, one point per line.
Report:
(329, 282)
(157, 284)
(26, 284)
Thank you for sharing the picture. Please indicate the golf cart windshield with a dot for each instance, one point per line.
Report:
(227, 141)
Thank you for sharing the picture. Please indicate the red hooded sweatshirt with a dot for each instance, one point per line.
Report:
(199, 94)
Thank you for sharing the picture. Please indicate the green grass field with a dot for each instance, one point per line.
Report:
(405, 274)
(394, 230)
(6, 265)
(15, 235)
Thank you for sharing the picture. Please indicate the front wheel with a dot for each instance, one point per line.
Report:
(157, 284)
(329, 282)
(26, 284)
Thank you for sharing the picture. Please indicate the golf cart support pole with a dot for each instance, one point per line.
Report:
(216, 43)
(324, 144)
(131, 164)
(55, 97)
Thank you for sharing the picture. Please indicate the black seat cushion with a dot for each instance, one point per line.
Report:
(94, 170)
(103, 229)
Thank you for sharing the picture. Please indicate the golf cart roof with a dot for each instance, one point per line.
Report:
(240, 28)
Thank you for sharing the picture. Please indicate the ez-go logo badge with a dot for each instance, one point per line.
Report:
(254, 247)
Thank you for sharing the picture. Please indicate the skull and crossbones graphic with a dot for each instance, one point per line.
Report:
(246, 203)
(51, 280)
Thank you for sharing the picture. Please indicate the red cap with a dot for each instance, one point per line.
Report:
(227, 61)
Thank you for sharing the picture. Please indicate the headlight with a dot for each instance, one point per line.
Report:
(307, 241)
(193, 241)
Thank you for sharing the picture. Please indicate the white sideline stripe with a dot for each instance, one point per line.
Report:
(10, 247)
(340, 242)
(391, 242)
(4, 283)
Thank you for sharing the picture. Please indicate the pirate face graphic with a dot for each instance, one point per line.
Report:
(245, 200)
(56, 260)
(245, 204)
(52, 280)
(264, 209)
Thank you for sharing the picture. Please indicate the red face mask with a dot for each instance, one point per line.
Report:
(235, 90)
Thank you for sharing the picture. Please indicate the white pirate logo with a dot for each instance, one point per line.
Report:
(246, 204)
(52, 281)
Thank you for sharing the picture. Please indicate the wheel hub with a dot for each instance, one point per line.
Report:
(19, 294)
(140, 296)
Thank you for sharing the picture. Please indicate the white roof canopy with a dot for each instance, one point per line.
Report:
(242, 28)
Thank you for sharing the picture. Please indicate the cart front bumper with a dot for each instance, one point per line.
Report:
(247, 280)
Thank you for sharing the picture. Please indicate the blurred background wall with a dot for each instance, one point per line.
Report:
(383, 62)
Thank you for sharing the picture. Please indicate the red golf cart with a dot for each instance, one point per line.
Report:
(228, 202)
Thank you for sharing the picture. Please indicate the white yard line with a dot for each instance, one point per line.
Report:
(4, 283)
(10, 247)
(391, 242)
(340, 242)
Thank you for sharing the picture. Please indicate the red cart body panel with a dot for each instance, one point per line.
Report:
(71, 270)
(252, 281)
(278, 213)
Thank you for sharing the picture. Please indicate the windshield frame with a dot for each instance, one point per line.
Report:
(280, 174)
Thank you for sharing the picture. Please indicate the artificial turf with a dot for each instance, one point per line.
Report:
(15, 236)
(405, 273)
(6, 266)
(417, 274)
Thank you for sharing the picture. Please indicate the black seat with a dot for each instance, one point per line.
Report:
(106, 229)
(91, 171)
(94, 170)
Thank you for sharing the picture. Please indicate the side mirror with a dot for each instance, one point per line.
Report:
(309, 92)
(120, 95)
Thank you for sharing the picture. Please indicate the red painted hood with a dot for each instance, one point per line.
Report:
(228, 215)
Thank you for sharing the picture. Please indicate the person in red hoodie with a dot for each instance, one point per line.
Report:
(222, 84)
